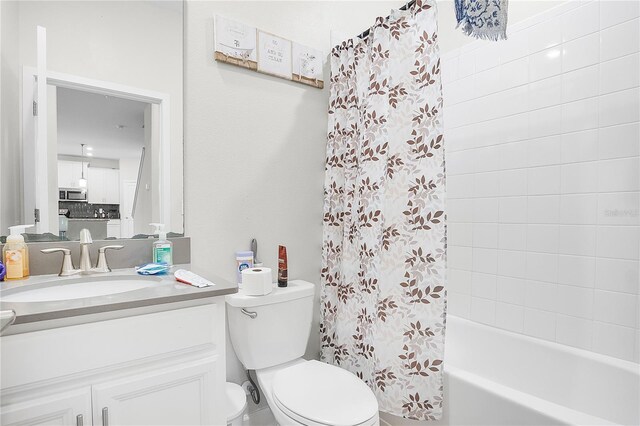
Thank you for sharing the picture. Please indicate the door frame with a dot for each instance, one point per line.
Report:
(69, 81)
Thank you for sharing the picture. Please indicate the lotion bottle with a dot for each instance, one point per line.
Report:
(15, 254)
(163, 248)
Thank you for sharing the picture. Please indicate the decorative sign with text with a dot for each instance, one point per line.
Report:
(245, 46)
(274, 55)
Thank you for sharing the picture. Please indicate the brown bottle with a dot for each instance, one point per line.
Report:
(282, 266)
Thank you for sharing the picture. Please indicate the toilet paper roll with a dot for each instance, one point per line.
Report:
(256, 281)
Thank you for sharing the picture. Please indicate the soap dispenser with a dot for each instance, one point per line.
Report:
(15, 254)
(163, 248)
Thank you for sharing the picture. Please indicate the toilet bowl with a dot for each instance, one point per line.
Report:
(269, 334)
(313, 393)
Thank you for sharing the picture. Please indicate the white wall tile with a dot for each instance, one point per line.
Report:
(542, 267)
(512, 263)
(579, 177)
(483, 310)
(541, 295)
(614, 12)
(487, 56)
(544, 151)
(580, 115)
(579, 84)
(577, 240)
(485, 210)
(510, 317)
(516, 46)
(483, 285)
(460, 186)
(544, 64)
(616, 308)
(619, 175)
(512, 236)
(459, 234)
(459, 304)
(573, 331)
(513, 210)
(487, 82)
(541, 324)
(545, 122)
(581, 21)
(485, 260)
(580, 53)
(544, 35)
(466, 65)
(619, 40)
(543, 180)
(619, 141)
(619, 107)
(514, 73)
(622, 208)
(543, 209)
(576, 270)
(620, 74)
(485, 235)
(619, 242)
(459, 281)
(545, 93)
(460, 210)
(575, 301)
(579, 146)
(513, 182)
(515, 128)
(618, 275)
(513, 101)
(510, 290)
(614, 340)
(542, 238)
(486, 184)
(486, 159)
(579, 209)
(460, 257)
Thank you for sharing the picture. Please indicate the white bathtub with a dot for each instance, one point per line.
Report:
(495, 377)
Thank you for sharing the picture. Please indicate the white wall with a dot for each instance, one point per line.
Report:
(10, 145)
(542, 155)
(121, 42)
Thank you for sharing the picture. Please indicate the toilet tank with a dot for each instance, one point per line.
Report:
(273, 329)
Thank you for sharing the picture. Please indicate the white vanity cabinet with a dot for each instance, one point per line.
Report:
(156, 368)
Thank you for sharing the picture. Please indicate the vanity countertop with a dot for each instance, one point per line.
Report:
(164, 291)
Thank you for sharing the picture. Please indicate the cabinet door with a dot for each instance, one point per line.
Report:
(68, 408)
(96, 185)
(65, 174)
(183, 394)
(113, 186)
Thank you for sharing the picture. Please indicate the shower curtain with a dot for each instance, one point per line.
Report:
(384, 237)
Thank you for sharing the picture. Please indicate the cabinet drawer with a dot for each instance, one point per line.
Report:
(49, 354)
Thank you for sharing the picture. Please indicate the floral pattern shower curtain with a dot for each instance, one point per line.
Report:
(384, 246)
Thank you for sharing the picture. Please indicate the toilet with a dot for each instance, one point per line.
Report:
(269, 334)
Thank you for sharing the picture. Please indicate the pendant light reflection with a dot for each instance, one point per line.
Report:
(82, 183)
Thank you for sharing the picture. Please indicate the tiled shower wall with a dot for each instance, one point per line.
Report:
(543, 180)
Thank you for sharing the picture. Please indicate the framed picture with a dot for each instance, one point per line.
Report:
(307, 65)
(274, 55)
(235, 43)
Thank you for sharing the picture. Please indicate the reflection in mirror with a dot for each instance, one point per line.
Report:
(94, 137)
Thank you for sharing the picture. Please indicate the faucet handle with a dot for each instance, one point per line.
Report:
(85, 236)
(67, 264)
(102, 265)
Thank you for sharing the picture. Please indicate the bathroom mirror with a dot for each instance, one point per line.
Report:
(92, 125)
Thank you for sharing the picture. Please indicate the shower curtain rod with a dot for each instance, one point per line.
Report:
(405, 7)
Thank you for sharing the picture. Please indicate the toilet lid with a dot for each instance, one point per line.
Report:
(324, 394)
(237, 400)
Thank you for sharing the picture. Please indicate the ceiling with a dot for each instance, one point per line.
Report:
(110, 127)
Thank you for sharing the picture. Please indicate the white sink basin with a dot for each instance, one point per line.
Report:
(78, 289)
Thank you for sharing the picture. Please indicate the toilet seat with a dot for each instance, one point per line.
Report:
(318, 394)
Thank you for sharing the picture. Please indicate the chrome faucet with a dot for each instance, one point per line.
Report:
(85, 257)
